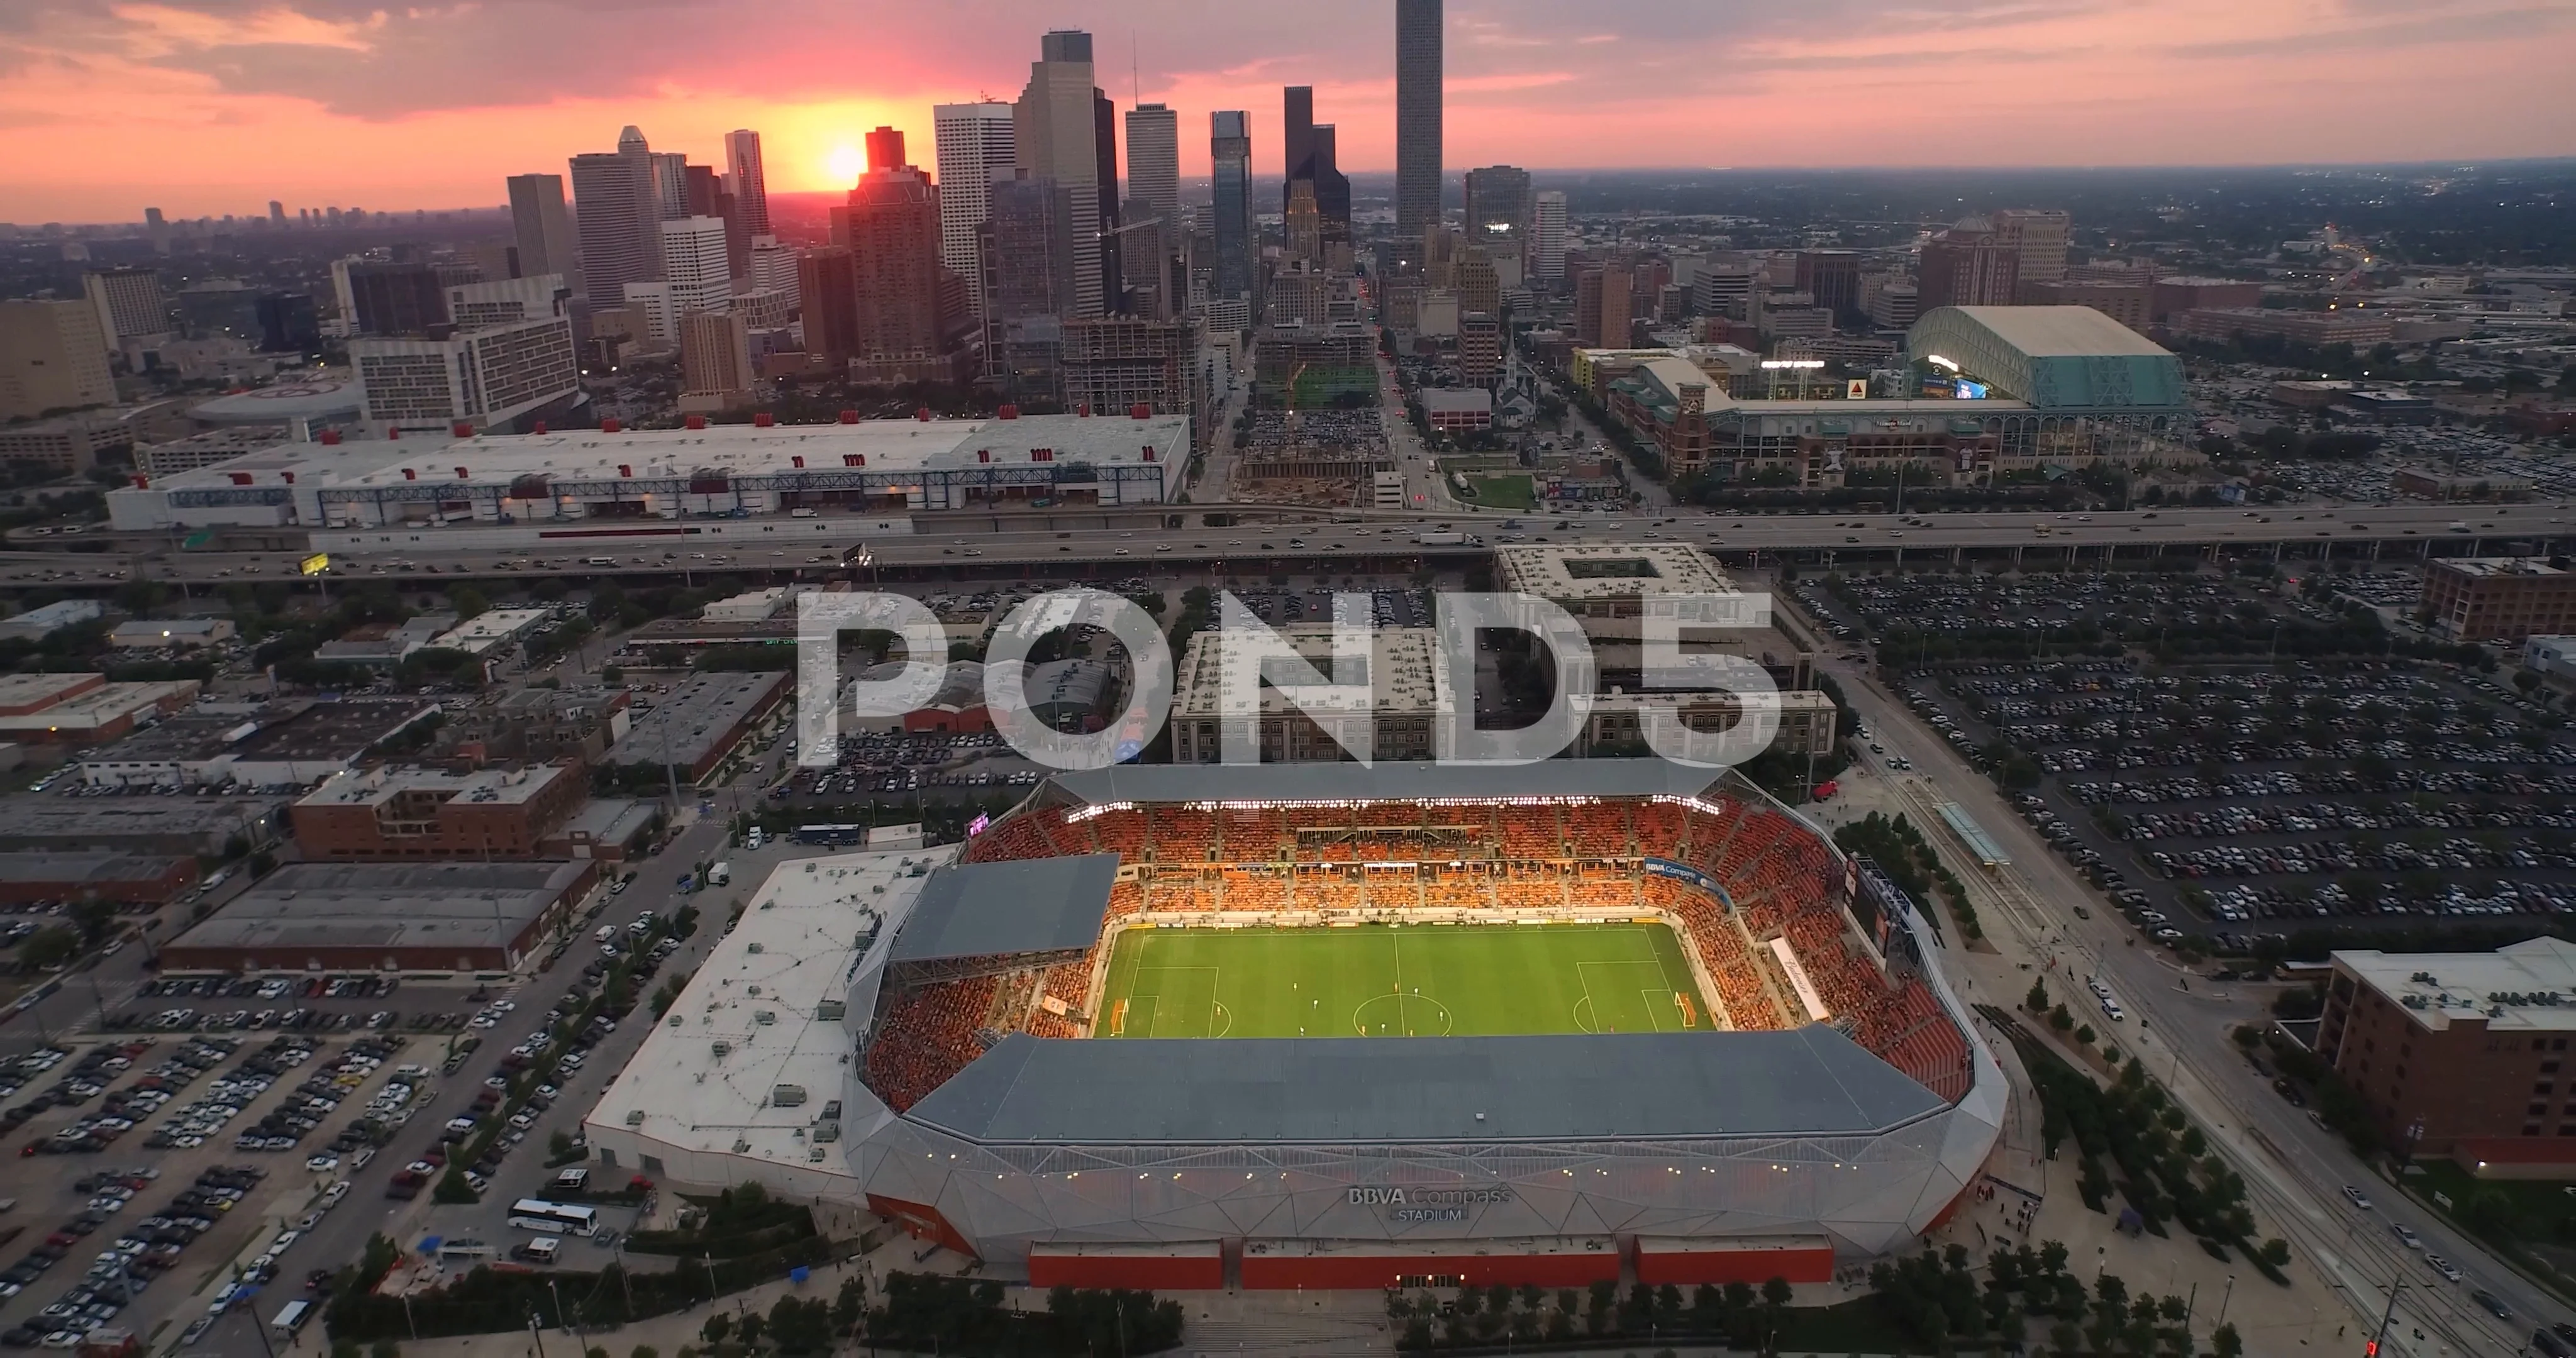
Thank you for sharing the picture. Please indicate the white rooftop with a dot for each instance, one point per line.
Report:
(730, 449)
(795, 951)
(1609, 571)
(1400, 671)
(2522, 986)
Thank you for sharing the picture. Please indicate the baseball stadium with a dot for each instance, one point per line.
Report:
(1332, 1026)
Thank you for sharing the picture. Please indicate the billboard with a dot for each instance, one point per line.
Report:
(316, 563)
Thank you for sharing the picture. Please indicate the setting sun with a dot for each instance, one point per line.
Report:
(846, 164)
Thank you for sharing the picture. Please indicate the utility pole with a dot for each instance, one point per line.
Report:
(2380, 1336)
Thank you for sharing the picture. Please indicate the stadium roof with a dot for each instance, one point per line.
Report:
(1028, 906)
(1808, 1081)
(2054, 357)
(1406, 780)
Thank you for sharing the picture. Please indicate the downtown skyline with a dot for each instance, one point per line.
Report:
(206, 110)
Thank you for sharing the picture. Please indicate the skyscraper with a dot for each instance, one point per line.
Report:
(276, 213)
(129, 302)
(2037, 238)
(1832, 277)
(395, 299)
(1113, 256)
(891, 225)
(697, 264)
(1154, 194)
(1029, 250)
(52, 356)
(1296, 139)
(1498, 203)
(750, 186)
(542, 227)
(974, 140)
(715, 361)
(1601, 308)
(1230, 154)
(617, 219)
(1417, 122)
(670, 184)
(1055, 132)
(885, 150)
(1968, 265)
(1547, 234)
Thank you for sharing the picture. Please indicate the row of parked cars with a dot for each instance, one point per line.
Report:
(134, 1257)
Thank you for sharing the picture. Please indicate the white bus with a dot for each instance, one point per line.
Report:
(553, 1218)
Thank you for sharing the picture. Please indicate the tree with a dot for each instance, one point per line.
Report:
(92, 918)
(467, 602)
(2037, 1001)
(717, 1327)
(2226, 1343)
(49, 948)
(2059, 1019)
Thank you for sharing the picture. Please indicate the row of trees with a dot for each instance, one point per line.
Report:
(1908, 859)
(1935, 1300)
(1481, 1316)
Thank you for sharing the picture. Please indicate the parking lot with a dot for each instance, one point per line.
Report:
(2216, 795)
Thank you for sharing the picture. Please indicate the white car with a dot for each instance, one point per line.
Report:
(2356, 1197)
(2406, 1236)
(2446, 1268)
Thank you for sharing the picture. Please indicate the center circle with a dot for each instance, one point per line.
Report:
(1393, 1015)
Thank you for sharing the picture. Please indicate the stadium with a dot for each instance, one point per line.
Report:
(1330, 1026)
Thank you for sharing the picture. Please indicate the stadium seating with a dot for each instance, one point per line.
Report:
(1781, 880)
(926, 1036)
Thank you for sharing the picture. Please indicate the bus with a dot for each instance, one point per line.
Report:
(831, 834)
(553, 1218)
(290, 1319)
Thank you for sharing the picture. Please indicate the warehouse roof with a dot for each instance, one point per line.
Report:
(1027, 906)
(694, 719)
(1811, 1080)
(1404, 780)
(389, 905)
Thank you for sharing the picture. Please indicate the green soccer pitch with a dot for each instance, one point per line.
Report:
(1400, 981)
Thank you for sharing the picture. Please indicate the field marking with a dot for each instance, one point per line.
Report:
(1183, 1002)
(1583, 973)
(1404, 1009)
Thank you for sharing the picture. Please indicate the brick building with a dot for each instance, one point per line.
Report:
(2499, 598)
(2460, 1053)
(435, 814)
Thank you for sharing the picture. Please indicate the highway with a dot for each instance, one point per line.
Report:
(1173, 534)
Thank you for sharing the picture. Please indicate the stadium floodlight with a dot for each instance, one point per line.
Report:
(1939, 362)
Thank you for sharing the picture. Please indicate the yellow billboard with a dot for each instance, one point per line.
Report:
(317, 563)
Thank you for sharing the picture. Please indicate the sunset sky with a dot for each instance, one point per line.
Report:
(215, 106)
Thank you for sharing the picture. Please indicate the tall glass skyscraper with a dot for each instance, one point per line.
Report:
(1417, 123)
(1230, 149)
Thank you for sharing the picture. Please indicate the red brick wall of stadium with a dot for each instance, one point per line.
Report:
(1163, 1273)
(1381, 1270)
(1735, 1266)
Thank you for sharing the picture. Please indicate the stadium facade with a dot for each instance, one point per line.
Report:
(1839, 1106)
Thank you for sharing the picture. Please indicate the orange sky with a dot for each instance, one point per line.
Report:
(215, 106)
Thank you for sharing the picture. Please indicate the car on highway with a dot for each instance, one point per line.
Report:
(2444, 1267)
(2406, 1235)
(2493, 1306)
(2356, 1197)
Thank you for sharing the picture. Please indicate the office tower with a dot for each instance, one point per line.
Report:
(1029, 253)
(1547, 235)
(618, 222)
(1230, 153)
(973, 140)
(773, 269)
(276, 213)
(1480, 349)
(2037, 238)
(670, 184)
(1498, 203)
(288, 323)
(395, 299)
(499, 378)
(1967, 266)
(891, 226)
(1601, 307)
(1832, 278)
(128, 303)
(1332, 187)
(1114, 364)
(827, 287)
(1417, 120)
(1296, 139)
(157, 228)
(52, 357)
(1113, 256)
(697, 263)
(708, 197)
(1305, 229)
(749, 184)
(715, 361)
(1153, 195)
(885, 150)
(542, 226)
(1055, 131)
(505, 301)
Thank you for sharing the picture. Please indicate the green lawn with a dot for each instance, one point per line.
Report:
(1377, 980)
(1504, 492)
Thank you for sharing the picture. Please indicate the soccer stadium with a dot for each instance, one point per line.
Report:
(1331, 1026)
